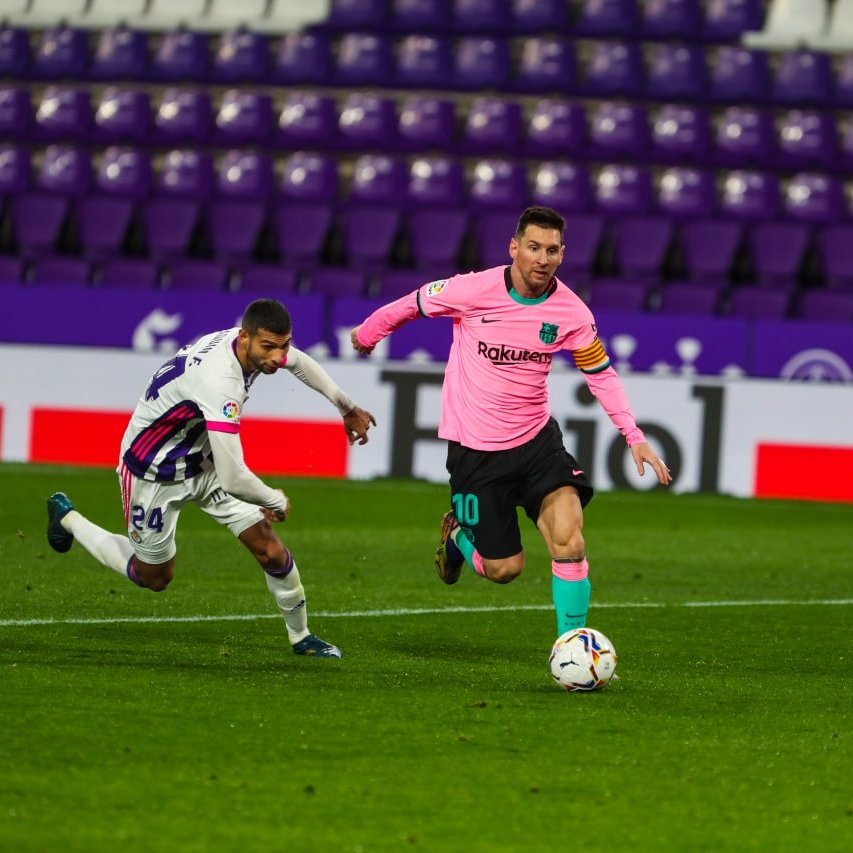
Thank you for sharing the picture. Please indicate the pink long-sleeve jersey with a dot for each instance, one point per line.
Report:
(495, 391)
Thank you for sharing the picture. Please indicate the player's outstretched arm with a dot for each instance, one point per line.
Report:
(357, 422)
(643, 454)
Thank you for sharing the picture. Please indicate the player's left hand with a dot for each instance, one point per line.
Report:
(643, 454)
(357, 422)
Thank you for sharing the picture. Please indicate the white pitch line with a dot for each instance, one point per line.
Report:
(416, 611)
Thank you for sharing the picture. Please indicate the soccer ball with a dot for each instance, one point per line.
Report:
(582, 659)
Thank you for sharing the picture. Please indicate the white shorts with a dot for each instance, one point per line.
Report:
(152, 510)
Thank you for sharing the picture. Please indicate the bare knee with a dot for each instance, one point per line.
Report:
(265, 546)
(506, 570)
(569, 547)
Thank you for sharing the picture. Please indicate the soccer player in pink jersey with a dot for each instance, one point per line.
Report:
(182, 445)
(504, 448)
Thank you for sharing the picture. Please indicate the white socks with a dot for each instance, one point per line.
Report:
(290, 597)
(110, 549)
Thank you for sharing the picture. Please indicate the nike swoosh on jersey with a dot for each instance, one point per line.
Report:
(576, 472)
(490, 319)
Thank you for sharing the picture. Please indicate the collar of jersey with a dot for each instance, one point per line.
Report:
(524, 300)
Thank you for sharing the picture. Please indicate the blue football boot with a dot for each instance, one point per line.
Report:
(313, 646)
(58, 506)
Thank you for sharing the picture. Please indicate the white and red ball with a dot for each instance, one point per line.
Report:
(582, 659)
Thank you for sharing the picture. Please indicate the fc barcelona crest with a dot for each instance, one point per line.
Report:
(548, 333)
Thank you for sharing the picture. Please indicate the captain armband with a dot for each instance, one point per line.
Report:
(592, 358)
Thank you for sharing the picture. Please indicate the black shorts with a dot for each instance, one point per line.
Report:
(487, 486)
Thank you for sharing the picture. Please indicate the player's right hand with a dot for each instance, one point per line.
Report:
(277, 514)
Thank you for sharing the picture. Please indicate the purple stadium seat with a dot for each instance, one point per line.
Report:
(302, 215)
(686, 193)
(424, 61)
(367, 121)
(738, 74)
(556, 128)
(498, 183)
(613, 69)
(670, 19)
(727, 20)
(241, 56)
(363, 59)
(371, 217)
(566, 187)
(65, 170)
(61, 53)
(267, 280)
(426, 123)
(492, 126)
(201, 275)
(641, 245)
(675, 71)
(420, 16)
(347, 15)
(438, 221)
(244, 117)
(617, 295)
(181, 56)
(624, 190)
(11, 270)
(681, 134)
(548, 63)
(619, 131)
(238, 209)
(15, 112)
(481, 62)
(777, 250)
(137, 273)
(309, 177)
(337, 281)
(301, 58)
(123, 115)
(103, 216)
(64, 114)
(814, 198)
(74, 272)
(536, 16)
(120, 54)
(749, 195)
(826, 306)
(308, 120)
(478, 16)
(183, 116)
(676, 298)
(492, 231)
(584, 235)
(378, 180)
(745, 137)
(758, 303)
(806, 139)
(14, 52)
(436, 181)
(709, 247)
(14, 170)
(802, 78)
(604, 18)
(169, 217)
(835, 246)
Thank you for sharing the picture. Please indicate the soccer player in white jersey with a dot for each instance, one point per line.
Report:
(183, 445)
(504, 448)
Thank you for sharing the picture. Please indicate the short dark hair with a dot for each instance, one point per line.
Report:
(267, 314)
(544, 217)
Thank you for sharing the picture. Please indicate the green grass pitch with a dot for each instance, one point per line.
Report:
(181, 721)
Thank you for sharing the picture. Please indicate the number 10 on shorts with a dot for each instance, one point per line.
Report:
(466, 508)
